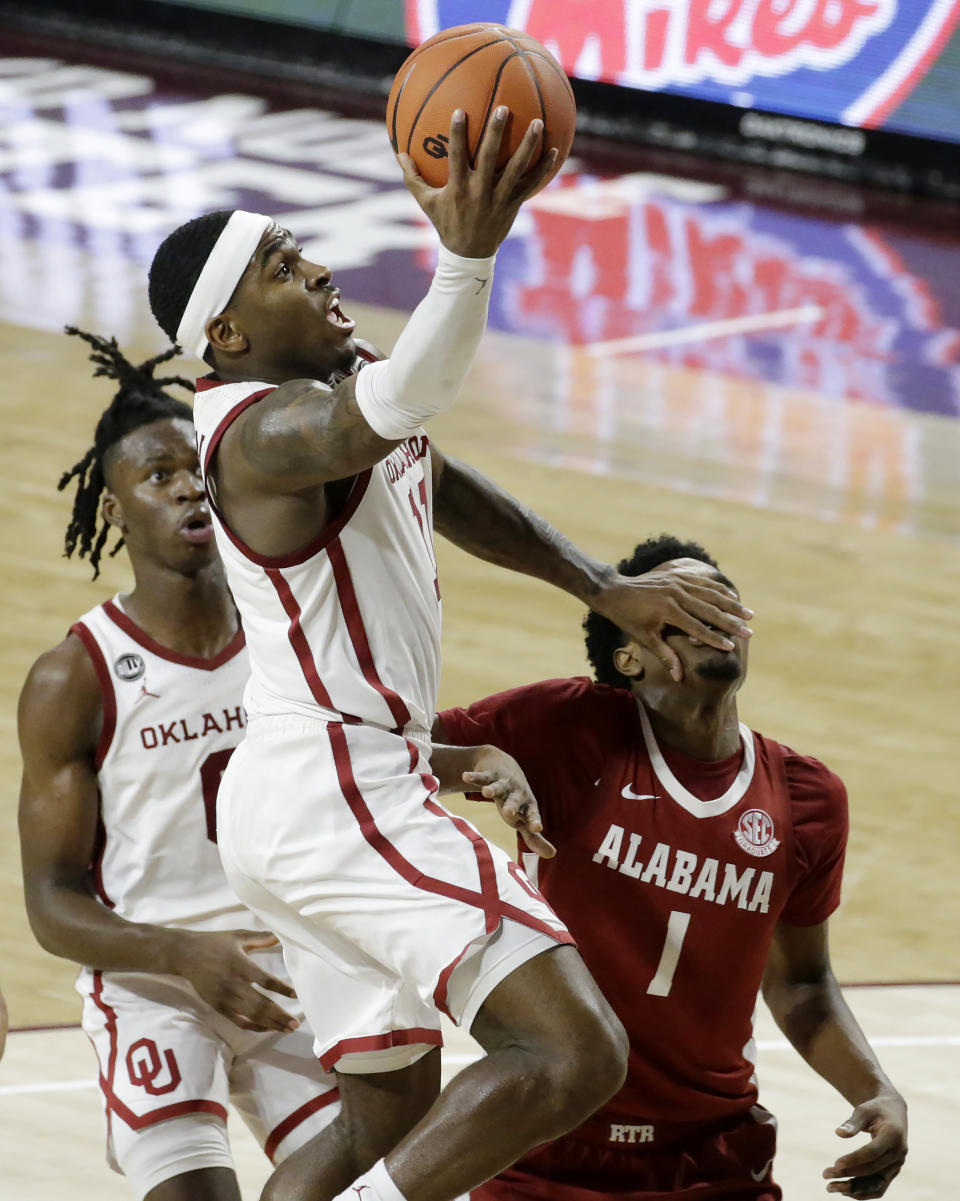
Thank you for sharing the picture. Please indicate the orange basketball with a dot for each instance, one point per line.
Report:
(478, 67)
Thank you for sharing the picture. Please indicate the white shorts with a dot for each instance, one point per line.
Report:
(170, 1064)
(389, 908)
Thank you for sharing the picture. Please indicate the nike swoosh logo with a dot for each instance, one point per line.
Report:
(758, 1176)
(630, 795)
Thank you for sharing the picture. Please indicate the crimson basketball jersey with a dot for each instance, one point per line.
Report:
(170, 724)
(671, 874)
(347, 627)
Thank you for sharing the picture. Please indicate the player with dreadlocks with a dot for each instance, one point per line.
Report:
(125, 729)
(140, 400)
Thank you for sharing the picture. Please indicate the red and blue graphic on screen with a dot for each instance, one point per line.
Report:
(890, 64)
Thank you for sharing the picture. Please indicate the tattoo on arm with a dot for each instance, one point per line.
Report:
(304, 434)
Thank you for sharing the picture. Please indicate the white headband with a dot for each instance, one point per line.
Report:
(221, 273)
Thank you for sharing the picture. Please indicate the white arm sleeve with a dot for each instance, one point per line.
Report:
(433, 353)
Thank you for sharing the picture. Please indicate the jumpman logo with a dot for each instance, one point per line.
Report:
(482, 282)
(144, 692)
(358, 1189)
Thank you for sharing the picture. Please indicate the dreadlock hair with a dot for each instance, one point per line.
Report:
(139, 401)
(602, 636)
(177, 265)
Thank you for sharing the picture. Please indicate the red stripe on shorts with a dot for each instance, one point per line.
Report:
(380, 843)
(443, 982)
(379, 1042)
(293, 1120)
(114, 1104)
(487, 900)
(488, 873)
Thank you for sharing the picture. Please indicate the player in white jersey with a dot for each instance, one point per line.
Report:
(126, 727)
(324, 490)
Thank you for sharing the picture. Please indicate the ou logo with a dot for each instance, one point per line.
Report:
(754, 833)
(145, 1067)
(436, 147)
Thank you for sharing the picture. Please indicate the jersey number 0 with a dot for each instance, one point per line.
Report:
(211, 773)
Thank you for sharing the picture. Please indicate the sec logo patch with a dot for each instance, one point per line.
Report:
(129, 667)
(755, 834)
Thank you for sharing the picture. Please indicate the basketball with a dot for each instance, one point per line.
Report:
(478, 67)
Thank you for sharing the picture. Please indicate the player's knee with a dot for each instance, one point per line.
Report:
(592, 1067)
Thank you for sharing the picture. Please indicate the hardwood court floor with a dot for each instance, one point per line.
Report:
(856, 659)
(856, 655)
(47, 1084)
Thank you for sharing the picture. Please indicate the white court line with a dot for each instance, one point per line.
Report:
(49, 1086)
(708, 329)
(462, 1058)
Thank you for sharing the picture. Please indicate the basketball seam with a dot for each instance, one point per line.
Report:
(436, 40)
(492, 100)
(547, 58)
(410, 61)
(553, 65)
(427, 98)
(396, 105)
(536, 81)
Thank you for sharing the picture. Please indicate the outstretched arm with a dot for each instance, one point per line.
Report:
(481, 518)
(806, 1001)
(59, 719)
(304, 434)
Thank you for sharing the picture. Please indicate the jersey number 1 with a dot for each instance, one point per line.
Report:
(425, 529)
(211, 772)
(662, 981)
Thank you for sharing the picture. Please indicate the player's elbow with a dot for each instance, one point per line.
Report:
(45, 931)
(47, 909)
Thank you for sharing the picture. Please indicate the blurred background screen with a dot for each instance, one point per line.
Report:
(869, 64)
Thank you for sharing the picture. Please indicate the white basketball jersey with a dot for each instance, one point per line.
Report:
(170, 724)
(348, 627)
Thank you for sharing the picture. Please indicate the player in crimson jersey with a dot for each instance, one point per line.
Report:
(125, 728)
(695, 859)
(323, 488)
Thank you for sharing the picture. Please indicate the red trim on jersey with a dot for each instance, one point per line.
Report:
(231, 416)
(330, 531)
(107, 695)
(206, 382)
(114, 1104)
(316, 544)
(298, 640)
(493, 907)
(293, 1120)
(96, 857)
(380, 1042)
(130, 627)
(358, 634)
